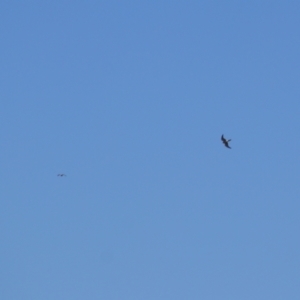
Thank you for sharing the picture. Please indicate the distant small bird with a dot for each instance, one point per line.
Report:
(225, 142)
(61, 175)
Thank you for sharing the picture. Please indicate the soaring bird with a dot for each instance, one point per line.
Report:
(61, 175)
(225, 142)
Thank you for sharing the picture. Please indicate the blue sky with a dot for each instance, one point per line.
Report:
(129, 99)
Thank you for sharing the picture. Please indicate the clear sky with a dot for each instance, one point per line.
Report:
(129, 99)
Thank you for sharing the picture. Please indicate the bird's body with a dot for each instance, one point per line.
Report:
(225, 142)
(61, 175)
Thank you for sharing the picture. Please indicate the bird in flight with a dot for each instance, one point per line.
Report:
(61, 175)
(225, 142)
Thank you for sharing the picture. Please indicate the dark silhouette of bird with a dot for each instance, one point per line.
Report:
(225, 142)
(61, 175)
